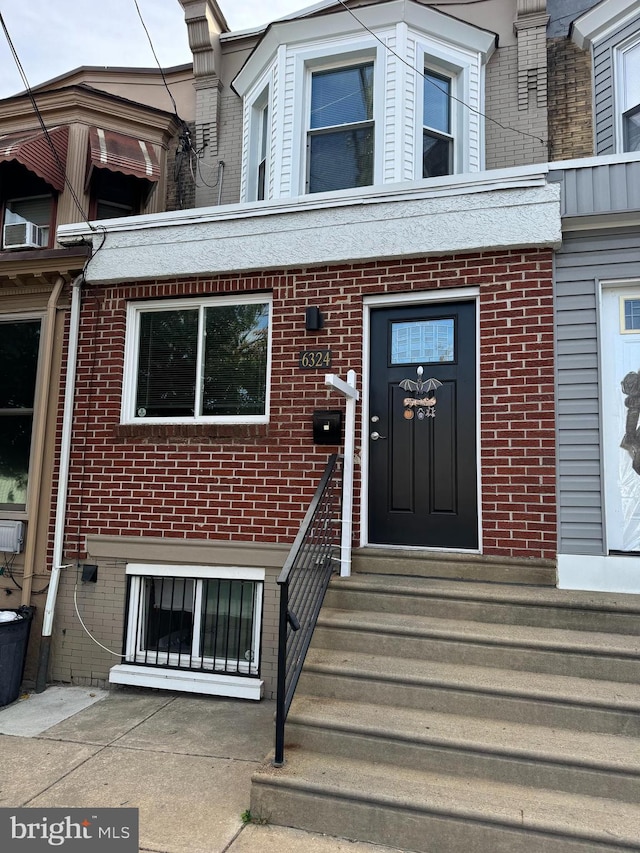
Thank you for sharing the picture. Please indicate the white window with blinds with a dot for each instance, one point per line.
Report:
(205, 360)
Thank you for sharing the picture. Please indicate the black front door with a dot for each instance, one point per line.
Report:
(422, 454)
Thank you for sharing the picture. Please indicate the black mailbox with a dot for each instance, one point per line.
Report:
(327, 427)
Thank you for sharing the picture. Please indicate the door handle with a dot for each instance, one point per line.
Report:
(376, 435)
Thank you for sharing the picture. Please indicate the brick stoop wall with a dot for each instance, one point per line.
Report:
(253, 483)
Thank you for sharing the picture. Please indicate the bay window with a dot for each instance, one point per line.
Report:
(198, 360)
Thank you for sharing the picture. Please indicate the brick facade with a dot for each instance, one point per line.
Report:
(253, 482)
(570, 101)
(206, 483)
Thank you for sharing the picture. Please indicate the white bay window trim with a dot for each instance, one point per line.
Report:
(413, 36)
(132, 413)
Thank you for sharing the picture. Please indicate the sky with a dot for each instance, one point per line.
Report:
(52, 37)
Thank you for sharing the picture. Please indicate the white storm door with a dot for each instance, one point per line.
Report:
(620, 347)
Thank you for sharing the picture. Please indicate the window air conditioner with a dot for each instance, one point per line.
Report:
(11, 536)
(22, 235)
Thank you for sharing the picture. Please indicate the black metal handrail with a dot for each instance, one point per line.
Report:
(303, 582)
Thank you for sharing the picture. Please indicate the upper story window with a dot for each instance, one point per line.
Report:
(27, 222)
(28, 208)
(630, 96)
(198, 360)
(340, 140)
(350, 108)
(114, 195)
(19, 348)
(437, 140)
(263, 147)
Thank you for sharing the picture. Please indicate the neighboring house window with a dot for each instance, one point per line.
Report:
(340, 140)
(437, 141)
(27, 222)
(630, 95)
(199, 618)
(114, 195)
(19, 347)
(203, 360)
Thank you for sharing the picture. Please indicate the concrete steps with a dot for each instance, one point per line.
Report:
(433, 813)
(435, 715)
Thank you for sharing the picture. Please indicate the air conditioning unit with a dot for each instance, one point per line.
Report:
(11, 536)
(23, 235)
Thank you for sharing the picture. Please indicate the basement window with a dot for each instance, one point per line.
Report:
(195, 628)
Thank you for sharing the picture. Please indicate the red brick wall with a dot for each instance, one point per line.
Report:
(253, 483)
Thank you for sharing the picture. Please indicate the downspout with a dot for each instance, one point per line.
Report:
(352, 395)
(37, 451)
(61, 502)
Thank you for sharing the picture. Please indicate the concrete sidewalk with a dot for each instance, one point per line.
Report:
(184, 761)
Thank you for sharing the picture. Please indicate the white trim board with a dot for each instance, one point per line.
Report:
(599, 573)
(188, 682)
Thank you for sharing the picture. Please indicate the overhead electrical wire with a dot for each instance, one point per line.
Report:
(61, 168)
(424, 77)
(185, 143)
(45, 130)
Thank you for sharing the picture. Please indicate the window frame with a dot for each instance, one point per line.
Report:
(450, 136)
(338, 63)
(134, 648)
(260, 135)
(440, 62)
(622, 108)
(50, 227)
(132, 345)
(23, 514)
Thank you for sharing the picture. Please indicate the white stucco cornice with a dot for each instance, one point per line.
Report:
(602, 20)
(511, 208)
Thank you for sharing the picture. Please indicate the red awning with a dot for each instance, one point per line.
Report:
(119, 153)
(36, 153)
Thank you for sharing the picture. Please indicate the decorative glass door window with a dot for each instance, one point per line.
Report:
(340, 142)
(422, 341)
(629, 315)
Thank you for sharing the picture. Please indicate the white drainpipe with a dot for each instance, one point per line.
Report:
(349, 390)
(61, 502)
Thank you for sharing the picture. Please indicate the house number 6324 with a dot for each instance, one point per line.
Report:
(314, 359)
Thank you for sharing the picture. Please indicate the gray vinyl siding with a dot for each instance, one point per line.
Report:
(609, 188)
(604, 87)
(586, 258)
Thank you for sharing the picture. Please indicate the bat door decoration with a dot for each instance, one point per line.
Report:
(420, 406)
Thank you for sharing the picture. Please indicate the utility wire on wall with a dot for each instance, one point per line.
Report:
(426, 79)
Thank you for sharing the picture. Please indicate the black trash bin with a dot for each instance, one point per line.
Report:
(14, 636)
